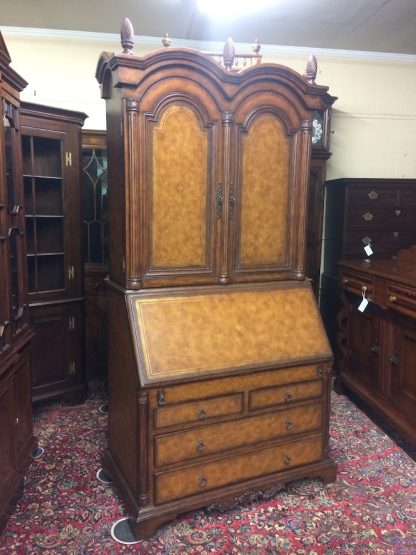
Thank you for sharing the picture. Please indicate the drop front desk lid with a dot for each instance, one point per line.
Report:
(192, 333)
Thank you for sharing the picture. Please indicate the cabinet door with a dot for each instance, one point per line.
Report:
(267, 192)
(7, 451)
(23, 408)
(364, 330)
(401, 362)
(180, 183)
(50, 269)
(57, 351)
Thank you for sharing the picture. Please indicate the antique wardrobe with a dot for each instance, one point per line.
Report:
(219, 367)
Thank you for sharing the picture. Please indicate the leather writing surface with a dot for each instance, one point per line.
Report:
(207, 332)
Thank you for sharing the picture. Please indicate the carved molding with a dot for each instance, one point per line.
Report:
(245, 498)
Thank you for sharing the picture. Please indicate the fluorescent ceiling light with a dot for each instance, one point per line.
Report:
(231, 9)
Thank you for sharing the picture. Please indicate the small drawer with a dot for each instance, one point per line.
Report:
(177, 447)
(356, 283)
(199, 478)
(401, 299)
(272, 396)
(198, 411)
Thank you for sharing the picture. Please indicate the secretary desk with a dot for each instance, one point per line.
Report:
(218, 361)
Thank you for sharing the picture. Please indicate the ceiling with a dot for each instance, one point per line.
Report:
(366, 25)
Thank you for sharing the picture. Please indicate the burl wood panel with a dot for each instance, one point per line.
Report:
(221, 386)
(180, 446)
(264, 193)
(180, 166)
(227, 330)
(191, 412)
(202, 477)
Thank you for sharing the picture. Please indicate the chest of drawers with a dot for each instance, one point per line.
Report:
(228, 407)
(361, 212)
(378, 346)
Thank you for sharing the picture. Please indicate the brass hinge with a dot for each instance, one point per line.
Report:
(68, 158)
(71, 272)
(71, 323)
(72, 369)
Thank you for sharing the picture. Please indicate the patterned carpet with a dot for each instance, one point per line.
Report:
(371, 508)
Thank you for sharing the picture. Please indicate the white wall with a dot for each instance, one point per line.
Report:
(374, 118)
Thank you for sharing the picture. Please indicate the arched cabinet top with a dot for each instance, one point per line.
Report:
(135, 74)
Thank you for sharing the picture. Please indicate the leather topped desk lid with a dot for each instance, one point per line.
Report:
(205, 332)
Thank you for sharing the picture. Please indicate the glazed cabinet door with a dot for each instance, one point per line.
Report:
(265, 191)
(180, 193)
(50, 270)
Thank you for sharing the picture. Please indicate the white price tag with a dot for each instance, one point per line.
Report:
(368, 250)
(363, 305)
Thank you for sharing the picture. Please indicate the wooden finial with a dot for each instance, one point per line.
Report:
(127, 36)
(166, 40)
(228, 54)
(311, 69)
(255, 47)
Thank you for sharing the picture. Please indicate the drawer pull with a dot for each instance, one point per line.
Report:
(200, 446)
(201, 413)
(289, 425)
(319, 372)
(345, 280)
(202, 481)
(161, 397)
(366, 240)
(287, 459)
(392, 298)
(372, 195)
(397, 211)
(288, 396)
(368, 216)
(394, 359)
(375, 349)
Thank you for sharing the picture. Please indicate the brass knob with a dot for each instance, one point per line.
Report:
(287, 459)
(392, 298)
(345, 280)
(202, 481)
(201, 413)
(288, 396)
(200, 446)
(289, 425)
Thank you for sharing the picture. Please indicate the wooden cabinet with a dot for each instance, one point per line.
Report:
(16, 434)
(361, 212)
(378, 346)
(218, 363)
(51, 168)
(94, 209)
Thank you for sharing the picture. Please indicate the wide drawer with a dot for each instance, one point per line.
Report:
(384, 243)
(198, 411)
(199, 478)
(401, 299)
(180, 446)
(272, 396)
(356, 283)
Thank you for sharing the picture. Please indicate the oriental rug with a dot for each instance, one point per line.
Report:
(370, 509)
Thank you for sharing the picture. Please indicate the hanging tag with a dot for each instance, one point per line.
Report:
(368, 250)
(363, 305)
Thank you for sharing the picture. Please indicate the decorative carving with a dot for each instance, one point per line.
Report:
(227, 117)
(127, 36)
(133, 105)
(219, 199)
(232, 201)
(311, 69)
(228, 54)
(245, 498)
